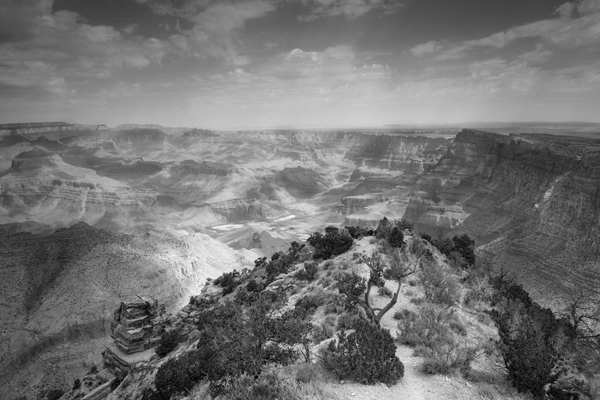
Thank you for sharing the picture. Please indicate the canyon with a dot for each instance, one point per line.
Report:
(90, 214)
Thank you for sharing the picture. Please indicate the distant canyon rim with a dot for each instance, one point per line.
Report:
(91, 214)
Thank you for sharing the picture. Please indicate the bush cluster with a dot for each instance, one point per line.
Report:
(460, 250)
(331, 244)
(308, 272)
(236, 340)
(392, 232)
(168, 342)
(280, 262)
(532, 339)
(440, 287)
(356, 232)
(367, 355)
(228, 281)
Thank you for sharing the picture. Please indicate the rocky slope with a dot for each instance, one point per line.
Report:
(77, 276)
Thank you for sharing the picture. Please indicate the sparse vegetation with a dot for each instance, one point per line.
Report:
(435, 333)
(261, 336)
(264, 387)
(440, 287)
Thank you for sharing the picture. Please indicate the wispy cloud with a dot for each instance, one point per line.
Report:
(425, 48)
(348, 8)
(577, 26)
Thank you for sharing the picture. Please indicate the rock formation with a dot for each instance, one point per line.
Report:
(136, 327)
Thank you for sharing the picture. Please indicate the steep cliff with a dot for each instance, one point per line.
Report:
(532, 201)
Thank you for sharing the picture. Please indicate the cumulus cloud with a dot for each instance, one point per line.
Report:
(348, 8)
(216, 25)
(423, 49)
(53, 54)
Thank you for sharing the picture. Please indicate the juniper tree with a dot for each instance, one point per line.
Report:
(395, 264)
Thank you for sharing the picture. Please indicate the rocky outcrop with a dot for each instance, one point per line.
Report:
(239, 209)
(398, 152)
(136, 325)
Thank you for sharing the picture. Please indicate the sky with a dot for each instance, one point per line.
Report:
(220, 64)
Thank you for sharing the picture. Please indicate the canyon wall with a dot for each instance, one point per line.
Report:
(531, 201)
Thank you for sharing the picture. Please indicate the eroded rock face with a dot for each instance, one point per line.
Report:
(137, 177)
(532, 201)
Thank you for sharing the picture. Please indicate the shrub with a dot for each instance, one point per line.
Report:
(54, 394)
(307, 372)
(346, 321)
(368, 355)
(356, 232)
(312, 301)
(439, 286)
(448, 358)
(465, 246)
(178, 375)
(383, 229)
(253, 286)
(396, 238)
(308, 272)
(431, 333)
(324, 331)
(404, 314)
(479, 290)
(428, 328)
(331, 244)
(457, 327)
(168, 342)
(266, 386)
(417, 301)
(532, 340)
(384, 292)
(404, 224)
(228, 281)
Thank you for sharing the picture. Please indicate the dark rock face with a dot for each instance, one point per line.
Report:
(239, 210)
(302, 181)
